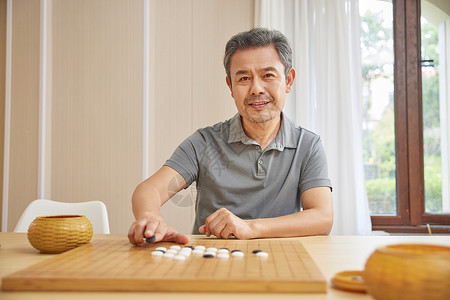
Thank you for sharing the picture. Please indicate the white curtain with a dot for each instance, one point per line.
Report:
(327, 97)
(444, 97)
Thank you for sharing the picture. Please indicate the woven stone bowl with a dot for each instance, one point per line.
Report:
(409, 271)
(56, 234)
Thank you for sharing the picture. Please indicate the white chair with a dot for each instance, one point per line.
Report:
(95, 211)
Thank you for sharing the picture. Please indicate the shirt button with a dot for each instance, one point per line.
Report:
(260, 162)
(257, 147)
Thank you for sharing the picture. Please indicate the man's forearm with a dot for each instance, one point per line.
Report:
(150, 195)
(146, 200)
(315, 219)
(304, 223)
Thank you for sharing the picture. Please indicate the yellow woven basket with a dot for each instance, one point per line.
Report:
(56, 234)
(409, 271)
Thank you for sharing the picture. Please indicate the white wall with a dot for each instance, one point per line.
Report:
(95, 85)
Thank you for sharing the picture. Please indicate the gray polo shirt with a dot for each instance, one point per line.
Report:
(232, 171)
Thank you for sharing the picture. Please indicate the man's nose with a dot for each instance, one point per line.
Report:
(257, 87)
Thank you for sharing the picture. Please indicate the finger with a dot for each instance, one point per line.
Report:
(219, 229)
(166, 233)
(177, 238)
(151, 228)
(218, 224)
(131, 235)
(225, 233)
(228, 231)
(210, 219)
(139, 228)
(160, 232)
(202, 229)
(145, 229)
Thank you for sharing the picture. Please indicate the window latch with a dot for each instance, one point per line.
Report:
(427, 62)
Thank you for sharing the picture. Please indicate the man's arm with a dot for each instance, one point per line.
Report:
(147, 200)
(315, 219)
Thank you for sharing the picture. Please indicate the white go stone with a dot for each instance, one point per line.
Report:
(157, 253)
(225, 251)
(175, 247)
(184, 253)
(180, 257)
(161, 248)
(223, 255)
(262, 254)
(237, 253)
(197, 251)
(200, 248)
(212, 249)
(168, 255)
(173, 251)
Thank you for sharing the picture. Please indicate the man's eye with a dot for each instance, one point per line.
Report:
(268, 75)
(244, 78)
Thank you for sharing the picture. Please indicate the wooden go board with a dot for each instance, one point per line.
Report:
(116, 265)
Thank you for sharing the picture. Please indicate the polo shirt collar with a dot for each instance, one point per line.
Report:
(286, 137)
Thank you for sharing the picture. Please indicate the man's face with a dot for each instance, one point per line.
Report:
(258, 84)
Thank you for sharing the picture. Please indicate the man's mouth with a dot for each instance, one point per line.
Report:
(259, 104)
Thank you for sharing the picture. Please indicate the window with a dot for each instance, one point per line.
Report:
(406, 139)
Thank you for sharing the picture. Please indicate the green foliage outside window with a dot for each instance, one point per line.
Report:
(431, 119)
(379, 135)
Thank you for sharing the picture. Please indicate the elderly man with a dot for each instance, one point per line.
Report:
(257, 174)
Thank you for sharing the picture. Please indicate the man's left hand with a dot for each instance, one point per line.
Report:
(224, 224)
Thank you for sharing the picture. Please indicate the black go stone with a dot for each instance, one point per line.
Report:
(150, 239)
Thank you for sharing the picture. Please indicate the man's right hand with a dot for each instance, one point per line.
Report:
(154, 225)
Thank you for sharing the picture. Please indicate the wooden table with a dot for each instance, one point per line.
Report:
(331, 254)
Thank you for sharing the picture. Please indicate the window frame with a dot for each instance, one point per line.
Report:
(411, 217)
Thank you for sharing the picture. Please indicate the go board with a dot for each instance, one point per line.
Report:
(116, 265)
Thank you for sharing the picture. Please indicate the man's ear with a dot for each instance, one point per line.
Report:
(229, 85)
(290, 80)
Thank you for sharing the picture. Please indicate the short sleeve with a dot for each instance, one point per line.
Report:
(186, 157)
(315, 171)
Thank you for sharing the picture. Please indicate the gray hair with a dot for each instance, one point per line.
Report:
(259, 37)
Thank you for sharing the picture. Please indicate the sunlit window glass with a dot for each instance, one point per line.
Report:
(435, 48)
(377, 55)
